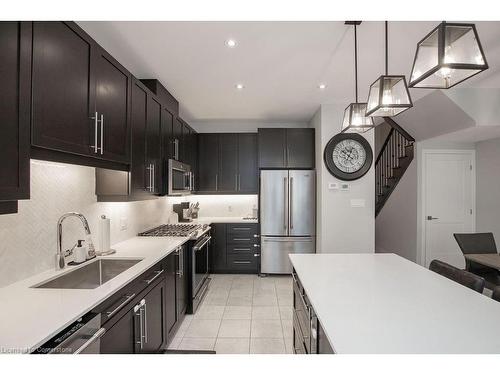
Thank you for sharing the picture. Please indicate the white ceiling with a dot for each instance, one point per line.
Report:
(280, 63)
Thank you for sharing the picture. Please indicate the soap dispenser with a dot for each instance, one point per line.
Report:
(80, 252)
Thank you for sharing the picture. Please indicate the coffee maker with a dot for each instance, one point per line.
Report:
(183, 212)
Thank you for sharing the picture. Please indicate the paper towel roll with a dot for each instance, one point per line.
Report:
(104, 234)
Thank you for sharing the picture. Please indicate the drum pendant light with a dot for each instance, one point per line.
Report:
(355, 119)
(389, 95)
(448, 55)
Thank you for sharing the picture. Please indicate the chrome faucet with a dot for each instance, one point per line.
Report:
(61, 255)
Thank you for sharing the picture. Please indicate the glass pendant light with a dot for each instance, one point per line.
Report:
(355, 120)
(389, 95)
(448, 55)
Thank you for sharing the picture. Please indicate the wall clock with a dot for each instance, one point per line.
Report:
(348, 156)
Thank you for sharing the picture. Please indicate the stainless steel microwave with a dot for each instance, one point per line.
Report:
(180, 178)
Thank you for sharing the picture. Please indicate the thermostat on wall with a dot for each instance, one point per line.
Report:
(338, 186)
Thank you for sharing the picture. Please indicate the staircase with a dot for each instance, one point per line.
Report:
(394, 158)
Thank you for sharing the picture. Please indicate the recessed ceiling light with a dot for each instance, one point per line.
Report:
(239, 86)
(231, 43)
(322, 86)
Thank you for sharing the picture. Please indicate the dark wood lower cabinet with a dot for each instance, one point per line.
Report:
(235, 248)
(155, 305)
(170, 294)
(120, 336)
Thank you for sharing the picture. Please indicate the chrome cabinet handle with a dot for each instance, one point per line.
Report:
(145, 309)
(138, 313)
(128, 298)
(291, 203)
(176, 149)
(241, 239)
(432, 218)
(90, 341)
(96, 130)
(102, 133)
(153, 175)
(216, 182)
(241, 262)
(241, 249)
(241, 228)
(157, 274)
(179, 253)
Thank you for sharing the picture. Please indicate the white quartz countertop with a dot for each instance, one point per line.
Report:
(31, 316)
(223, 219)
(382, 303)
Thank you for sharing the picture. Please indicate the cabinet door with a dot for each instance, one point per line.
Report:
(153, 146)
(120, 337)
(208, 162)
(167, 138)
(15, 70)
(248, 172)
(138, 122)
(300, 148)
(178, 139)
(154, 318)
(112, 107)
(228, 163)
(218, 261)
(181, 282)
(62, 88)
(272, 148)
(170, 289)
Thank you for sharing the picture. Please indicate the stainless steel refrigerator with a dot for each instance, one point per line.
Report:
(287, 217)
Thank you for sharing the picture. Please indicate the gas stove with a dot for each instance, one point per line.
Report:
(176, 230)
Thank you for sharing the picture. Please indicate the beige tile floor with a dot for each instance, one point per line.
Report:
(241, 314)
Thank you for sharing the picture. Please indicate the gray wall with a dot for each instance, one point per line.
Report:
(488, 187)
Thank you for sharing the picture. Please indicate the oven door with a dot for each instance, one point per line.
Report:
(180, 178)
(200, 266)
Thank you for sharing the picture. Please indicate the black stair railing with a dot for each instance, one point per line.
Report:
(392, 161)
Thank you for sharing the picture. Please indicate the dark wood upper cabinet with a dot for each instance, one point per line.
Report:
(208, 162)
(138, 121)
(112, 103)
(228, 163)
(300, 148)
(153, 146)
(177, 139)
(167, 119)
(272, 146)
(15, 71)
(63, 88)
(248, 171)
(80, 95)
(286, 148)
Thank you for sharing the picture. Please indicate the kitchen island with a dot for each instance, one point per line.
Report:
(383, 303)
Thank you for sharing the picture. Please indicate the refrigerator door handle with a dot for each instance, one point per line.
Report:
(287, 239)
(291, 203)
(285, 195)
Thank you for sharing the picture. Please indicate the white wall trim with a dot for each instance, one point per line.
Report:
(421, 250)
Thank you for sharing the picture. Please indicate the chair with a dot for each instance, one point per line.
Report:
(479, 243)
(465, 278)
(496, 294)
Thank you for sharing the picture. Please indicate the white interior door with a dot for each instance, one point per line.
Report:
(448, 203)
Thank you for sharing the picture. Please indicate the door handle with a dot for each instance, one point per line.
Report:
(96, 129)
(432, 218)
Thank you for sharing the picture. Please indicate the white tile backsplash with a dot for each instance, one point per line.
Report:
(28, 238)
(221, 205)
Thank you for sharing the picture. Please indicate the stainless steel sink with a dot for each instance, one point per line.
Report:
(91, 275)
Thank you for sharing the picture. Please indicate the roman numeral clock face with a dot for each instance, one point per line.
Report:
(348, 156)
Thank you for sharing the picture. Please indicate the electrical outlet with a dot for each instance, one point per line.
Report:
(123, 223)
(230, 208)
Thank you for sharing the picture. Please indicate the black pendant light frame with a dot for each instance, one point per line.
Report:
(381, 81)
(441, 55)
(359, 128)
